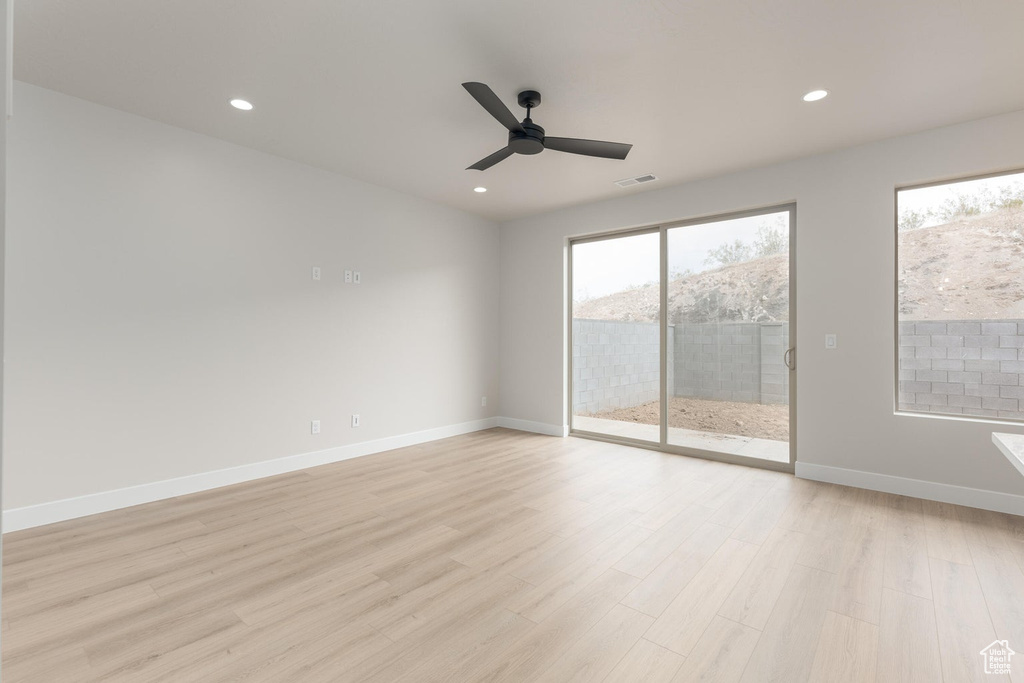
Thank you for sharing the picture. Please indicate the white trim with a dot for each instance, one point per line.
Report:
(536, 427)
(70, 508)
(916, 488)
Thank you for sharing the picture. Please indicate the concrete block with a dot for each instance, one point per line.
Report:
(981, 341)
(1011, 342)
(942, 364)
(1012, 414)
(982, 366)
(1006, 391)
(931, 399)
(1011, 366)
(980, 412)
(947, 388)
(907, 328)
(983, 390)
(930, 352)
(964, 377)
(932, 376)
(918, 340)
(963, 328)
(929, 328)
(964, 353)
(1000, 378)
(916, 387)
(992, 403)
(915, 364)
(965, 401)
(947, 340)
(999, 328)
(998, 354)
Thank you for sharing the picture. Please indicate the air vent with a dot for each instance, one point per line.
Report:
(626, 182)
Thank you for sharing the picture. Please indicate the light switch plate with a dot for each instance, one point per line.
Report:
(830, 342)
(316, 272)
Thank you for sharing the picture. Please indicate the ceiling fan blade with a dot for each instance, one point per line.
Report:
(487, 162)
(590, 148)
(494, 106)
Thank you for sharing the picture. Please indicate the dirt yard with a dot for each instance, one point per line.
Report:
(721, 417)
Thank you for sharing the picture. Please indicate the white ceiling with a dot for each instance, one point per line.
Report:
(371, 89)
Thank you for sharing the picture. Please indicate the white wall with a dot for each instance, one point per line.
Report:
(162, 320)
(845, 272)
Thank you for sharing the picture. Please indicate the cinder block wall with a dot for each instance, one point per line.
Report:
(732, 361)
(963, 367)
(615, 364)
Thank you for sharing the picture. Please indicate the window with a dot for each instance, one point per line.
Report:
(960, 297)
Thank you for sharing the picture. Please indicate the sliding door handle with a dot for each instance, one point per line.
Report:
(789, 358)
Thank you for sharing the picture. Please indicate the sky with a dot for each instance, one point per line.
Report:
(613, 265)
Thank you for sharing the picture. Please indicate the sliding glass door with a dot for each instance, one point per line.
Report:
(728, 321)
(681, 337)
(616, 350)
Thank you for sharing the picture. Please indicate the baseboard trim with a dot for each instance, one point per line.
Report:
(535, 427)
(995, 501)
(71, 508)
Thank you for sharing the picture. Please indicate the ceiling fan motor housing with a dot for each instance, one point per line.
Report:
(530, 141)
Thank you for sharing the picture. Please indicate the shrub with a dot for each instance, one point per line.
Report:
(723, 255)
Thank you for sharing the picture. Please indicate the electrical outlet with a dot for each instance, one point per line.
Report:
(316, 273)
(314, 427)
(356, 277)
(355, 419)
(483, 401)
(348, 276)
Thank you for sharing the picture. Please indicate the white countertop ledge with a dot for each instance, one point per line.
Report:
(1012, 446)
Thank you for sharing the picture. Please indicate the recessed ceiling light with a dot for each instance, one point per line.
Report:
(479, 189)
(815, 95)
(244, 105)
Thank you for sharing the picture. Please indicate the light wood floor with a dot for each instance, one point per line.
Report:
(502, 556)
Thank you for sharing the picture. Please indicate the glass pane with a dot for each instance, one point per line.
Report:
(616, 350)
(728, 315)
(960, 298)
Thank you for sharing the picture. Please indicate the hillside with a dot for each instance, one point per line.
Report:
(969, 268)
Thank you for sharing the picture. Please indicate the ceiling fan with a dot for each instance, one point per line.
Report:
(527, 137)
